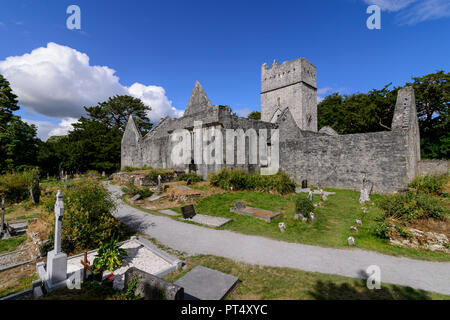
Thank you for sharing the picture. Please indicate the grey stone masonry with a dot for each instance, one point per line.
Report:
(389, 160)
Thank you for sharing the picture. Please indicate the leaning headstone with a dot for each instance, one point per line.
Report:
(56, 259)
(354, 228)
(188, 212)
(351, 241)
(282, 226)
(136, 197)
(358, 222)
(310, 195)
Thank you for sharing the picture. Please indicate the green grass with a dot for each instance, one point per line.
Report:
(23, 284)
(268, 283)
(11, 244)
(331, 228)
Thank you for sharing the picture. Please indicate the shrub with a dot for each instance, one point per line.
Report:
(110, 256)
(303, 205)
(431, 184)
(166, 175)
(87, 221)
(409, 206)
(382, 230)
(403, 233)
(191, 177)
(15, 187)
(131, 190)
(237, 179)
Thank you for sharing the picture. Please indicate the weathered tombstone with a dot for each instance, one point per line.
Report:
(365, 191)
(159, 188)
(103, 174)
(188, 212)
(358, 222)
(136, 197)
(239, 205)
(282, 226)
(151, 287)
(312, 216)
(351, 241)
(310, 195)
(354, 228)
(56, 259)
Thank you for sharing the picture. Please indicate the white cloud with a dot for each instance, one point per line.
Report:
(391, 5)
(57, 81)
(413, 11)
(323, 90)
(243, 112)
(46, 129)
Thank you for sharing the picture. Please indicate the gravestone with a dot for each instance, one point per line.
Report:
(358, 222)
(304, 184)
(365, 191)
(310, 195)
(103, 173)
(312, 216)
(351, 241)
(136, 197)
(151, 287)
(239, 205)
(56, 259)
(282, 226)
(159, 189)
(354, 228)
(202, 283)
(188, 212)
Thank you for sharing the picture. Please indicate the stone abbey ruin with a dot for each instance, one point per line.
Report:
(388, 159)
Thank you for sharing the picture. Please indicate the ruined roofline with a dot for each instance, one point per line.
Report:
(287, 62)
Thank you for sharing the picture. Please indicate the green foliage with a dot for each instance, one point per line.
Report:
(236, 179)
(115, 112)
(409, 206)
(87, 221)
(130, 169)
(303, 205)
(110, 256)
(191, 177)
(430, 184)
(382, 230)
(403, 233)
(166, 175)
(373, 111)
(255, 115)
(15, 187)
(131, 190)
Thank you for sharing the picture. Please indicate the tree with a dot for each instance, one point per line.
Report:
(18, 142)
(255, 115)
(116, 111)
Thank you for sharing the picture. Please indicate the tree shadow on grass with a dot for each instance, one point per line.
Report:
(328, 290)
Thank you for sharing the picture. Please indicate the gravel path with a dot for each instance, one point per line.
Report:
(192, 239)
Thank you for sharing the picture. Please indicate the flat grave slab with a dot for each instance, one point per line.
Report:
(258, 213)
(169, 212)
(155, 197)
(209, 221)
(184, 188)
(202, 283)
(299, 190)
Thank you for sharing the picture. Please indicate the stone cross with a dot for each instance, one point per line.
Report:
(56, 259)
(3, 216)
(59, 213)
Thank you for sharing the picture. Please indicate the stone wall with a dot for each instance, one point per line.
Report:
(429, 167)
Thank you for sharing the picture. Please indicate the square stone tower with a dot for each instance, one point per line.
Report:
(290, 85)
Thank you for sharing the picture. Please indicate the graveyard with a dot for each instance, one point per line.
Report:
(338, 215)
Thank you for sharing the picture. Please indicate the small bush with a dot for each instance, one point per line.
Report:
(191, 177)
(403, 233)
(131, 190)
(15, 187)
(409, 206)
(236, 179)
(431, 184)
(110, 256)
(87, 220)
(303, 205)
(382, 230)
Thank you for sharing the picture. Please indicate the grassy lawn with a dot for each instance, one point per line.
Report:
(11, 244)
(22, 284)
(331, 228)
(269, 283)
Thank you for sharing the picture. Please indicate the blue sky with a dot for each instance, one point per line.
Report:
(156, 50)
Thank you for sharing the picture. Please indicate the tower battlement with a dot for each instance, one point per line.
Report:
(292, 85)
